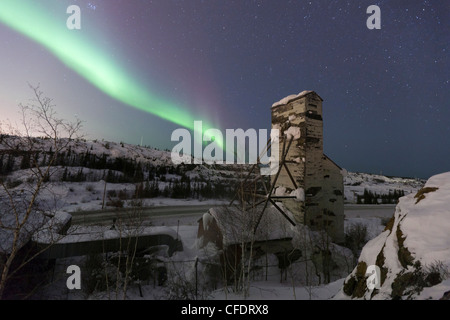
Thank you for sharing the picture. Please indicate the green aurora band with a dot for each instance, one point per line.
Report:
(89, 61)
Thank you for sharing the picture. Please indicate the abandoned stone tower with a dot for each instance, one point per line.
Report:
(319, 177)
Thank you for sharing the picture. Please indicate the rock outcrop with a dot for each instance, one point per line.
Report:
(410, 259)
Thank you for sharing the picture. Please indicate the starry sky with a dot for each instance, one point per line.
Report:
(137, 70)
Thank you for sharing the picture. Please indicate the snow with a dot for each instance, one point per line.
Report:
(434, 292)
(235, 224)
(49, 237)
(293, 133)
(373, 224)
(273, 291)
(299, 193)
(280, 191)
(299, 160)
(9, 223)
(49, 232)
(355, 184)
(424, 225)
(87, 196)
(275, 134)
(427, 224)
(288, 99)
(207, 220)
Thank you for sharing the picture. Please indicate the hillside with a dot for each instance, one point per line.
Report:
(92, 174)
(86, 165)
(129, 171)
(375, 188)
(412, 253)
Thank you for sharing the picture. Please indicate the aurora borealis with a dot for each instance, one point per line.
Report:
(141, 69)
(83, 57)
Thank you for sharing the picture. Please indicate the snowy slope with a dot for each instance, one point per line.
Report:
(110, 149)
(81, 194)
(137, 154)
(355, 184)
(413, 253)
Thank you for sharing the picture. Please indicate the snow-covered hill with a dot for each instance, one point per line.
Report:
(356, 183)
(94, 161)
(98, 148)
(95, 154)
(79, 172)
(412, 253)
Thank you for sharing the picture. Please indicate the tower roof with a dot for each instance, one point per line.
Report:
(292, 97)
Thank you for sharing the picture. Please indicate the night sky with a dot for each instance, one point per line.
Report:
(386, 92)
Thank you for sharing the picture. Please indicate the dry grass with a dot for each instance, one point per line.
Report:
(420, 195)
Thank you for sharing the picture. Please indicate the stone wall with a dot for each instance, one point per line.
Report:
(315, 173)
(333, 205)
(283, 117)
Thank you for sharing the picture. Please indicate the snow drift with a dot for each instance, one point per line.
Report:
(412, 253)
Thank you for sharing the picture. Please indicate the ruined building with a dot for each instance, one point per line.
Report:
(300, 117)
(311, 188)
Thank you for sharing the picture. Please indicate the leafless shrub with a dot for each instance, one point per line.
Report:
(22, 214)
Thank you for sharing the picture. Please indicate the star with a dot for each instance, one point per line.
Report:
(91, 6)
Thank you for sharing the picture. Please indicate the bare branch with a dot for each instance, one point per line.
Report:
(38, 119)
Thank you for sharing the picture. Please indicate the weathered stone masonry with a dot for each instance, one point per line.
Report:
(319, 176)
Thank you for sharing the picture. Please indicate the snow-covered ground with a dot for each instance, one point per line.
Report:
(186, 228)
(261, 290)
(88, 195)
(413, 252)
(355, 184)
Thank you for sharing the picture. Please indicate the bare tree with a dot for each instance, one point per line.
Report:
(21, 212)
(117, 268)
(129, 231)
